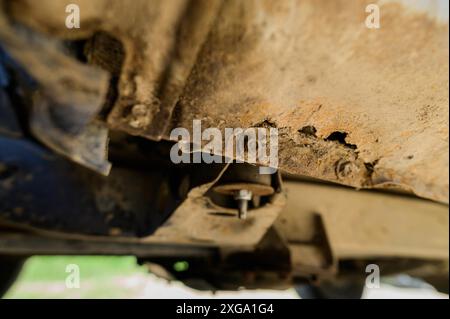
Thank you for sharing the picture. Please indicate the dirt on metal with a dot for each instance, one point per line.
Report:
(361, 107)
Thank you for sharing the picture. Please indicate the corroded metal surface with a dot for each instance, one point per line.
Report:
(361, 107)
(199, 220)
(312, 64)
(365, 224)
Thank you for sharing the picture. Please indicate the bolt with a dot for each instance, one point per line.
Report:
(242, 197)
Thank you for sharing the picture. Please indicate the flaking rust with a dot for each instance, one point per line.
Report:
(293, 63)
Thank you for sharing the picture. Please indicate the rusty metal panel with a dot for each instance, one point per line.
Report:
(357, 106)
(365, 224)
(312, 69)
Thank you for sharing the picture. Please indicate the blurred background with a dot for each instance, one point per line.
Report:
(121, 277)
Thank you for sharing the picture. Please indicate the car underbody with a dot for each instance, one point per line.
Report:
(86, 116)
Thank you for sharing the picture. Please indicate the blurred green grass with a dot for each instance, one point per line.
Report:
(120, 277)
(48, 268)
(44, 277)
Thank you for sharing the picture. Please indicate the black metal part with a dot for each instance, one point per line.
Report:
(9, 270)
(25, 244)
(9, 126)
(267, 266)
(44, 190)
(246, 177)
